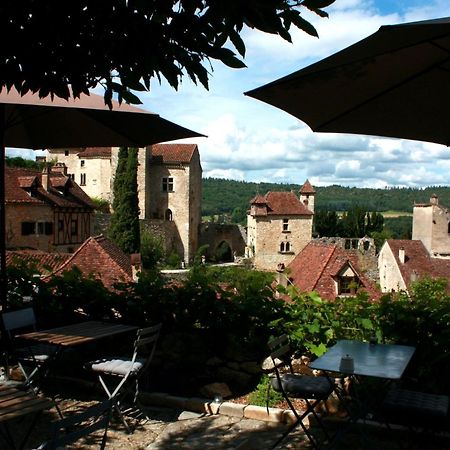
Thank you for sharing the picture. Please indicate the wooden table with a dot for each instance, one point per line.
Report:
(77, 334)
(17, 404)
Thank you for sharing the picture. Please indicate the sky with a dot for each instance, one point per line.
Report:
(249, 140)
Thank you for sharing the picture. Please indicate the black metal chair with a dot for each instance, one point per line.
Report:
(34, 359)
(72, 428)
(312, 390)
(119, 376)
(421, 412)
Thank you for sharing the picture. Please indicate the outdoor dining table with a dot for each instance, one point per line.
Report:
(17, 404)
(385, 362)
(77, 334)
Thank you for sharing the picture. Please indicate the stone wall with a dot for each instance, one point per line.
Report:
(213, 234)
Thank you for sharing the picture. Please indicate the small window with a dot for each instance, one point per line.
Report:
(82, 163)
(285, 225)
(48, 228)
(74, 227)
(83, 179)
(169, 215)
(28, 228)
(167, 184)
(66, 152)
(285, 247)
(348, 285)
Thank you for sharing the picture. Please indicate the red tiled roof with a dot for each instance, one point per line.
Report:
(45, 262)
(95, 152)
(173, 153)
(280, 203)
(418, 262)
(62, 192)
(100, 257)
(315, 269)
(307, 188)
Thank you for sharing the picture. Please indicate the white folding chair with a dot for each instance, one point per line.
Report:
(127, 370)
(32, 359)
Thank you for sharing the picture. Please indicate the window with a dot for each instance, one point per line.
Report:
(285, 247)
(83, 179)
(28, 228)
(167, 184)
(285, 225)
(60, 225)
(66, 152)
(82, 163)
(169, 215)
(74, 227)
(348, 285)
(37, 228)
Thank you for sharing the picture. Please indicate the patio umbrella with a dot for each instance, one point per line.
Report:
(394, 83)
(38, 123)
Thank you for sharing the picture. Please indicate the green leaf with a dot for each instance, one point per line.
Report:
(237, 42)
(129, 97)
(366, 323)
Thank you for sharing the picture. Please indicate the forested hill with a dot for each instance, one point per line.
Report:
(222, 196)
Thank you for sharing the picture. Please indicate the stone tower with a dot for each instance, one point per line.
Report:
(307, 194)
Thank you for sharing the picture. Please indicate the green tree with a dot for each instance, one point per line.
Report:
(124, 227)
(67, 48)
(152, 249)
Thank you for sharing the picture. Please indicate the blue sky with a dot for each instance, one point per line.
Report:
(251, 141)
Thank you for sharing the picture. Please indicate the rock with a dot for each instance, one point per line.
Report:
(212, 389)
(250, 367)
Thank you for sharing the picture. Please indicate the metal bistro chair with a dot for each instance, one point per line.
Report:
(72, 428)
(311, 389)
(33, 360)
(127, 371)
(420, 412)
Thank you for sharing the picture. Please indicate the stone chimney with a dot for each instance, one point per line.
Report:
(46, 176)
(281, 277)
(60, 167)
(401, 255)
(434, 200)
(136, 265)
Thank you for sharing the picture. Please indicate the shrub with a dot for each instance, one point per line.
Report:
(264, 394)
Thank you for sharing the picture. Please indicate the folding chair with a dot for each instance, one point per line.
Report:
(127, 370)
(33, 359)
(418, 411)
(72, 428)
(311, 389)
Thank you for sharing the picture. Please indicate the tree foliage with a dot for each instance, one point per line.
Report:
(124, 227)
(67, 48)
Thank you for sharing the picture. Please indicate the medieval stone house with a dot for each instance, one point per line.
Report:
(46, 211)
(169, 187)
(279, 225)
(402, 262)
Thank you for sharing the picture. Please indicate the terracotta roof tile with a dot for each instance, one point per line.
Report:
(418, 262)
(307, 188)
(100, 257)
(315, 269)
(281, 203)
(45, 262)
(62, 192)
(95, 152)
(173, 153)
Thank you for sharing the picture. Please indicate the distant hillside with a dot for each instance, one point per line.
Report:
(222, 196)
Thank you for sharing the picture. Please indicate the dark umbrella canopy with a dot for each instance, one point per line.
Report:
(35, 123)
(394, 83)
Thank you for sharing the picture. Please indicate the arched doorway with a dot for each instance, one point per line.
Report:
(223, 252)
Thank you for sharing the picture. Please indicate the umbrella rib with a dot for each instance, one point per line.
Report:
(384, 92)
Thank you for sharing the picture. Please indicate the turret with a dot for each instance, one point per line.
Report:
(307, 193)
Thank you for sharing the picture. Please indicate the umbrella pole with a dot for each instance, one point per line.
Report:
(3, 279)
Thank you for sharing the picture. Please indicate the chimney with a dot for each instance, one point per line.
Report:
(434, 200)
(60, 167)
(46, 176)
(136, 265)
(401, 255)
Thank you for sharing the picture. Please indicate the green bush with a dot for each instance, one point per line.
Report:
(264, 394)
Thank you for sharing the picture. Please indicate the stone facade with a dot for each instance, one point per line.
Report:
(216, 235)
(279, 226)
(431, 225)
(391, 279)
(169, 187)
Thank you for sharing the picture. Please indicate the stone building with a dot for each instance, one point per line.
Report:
(169, 187)
(46, 211)
(279, 225)
(402, 262)
(431, 225)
